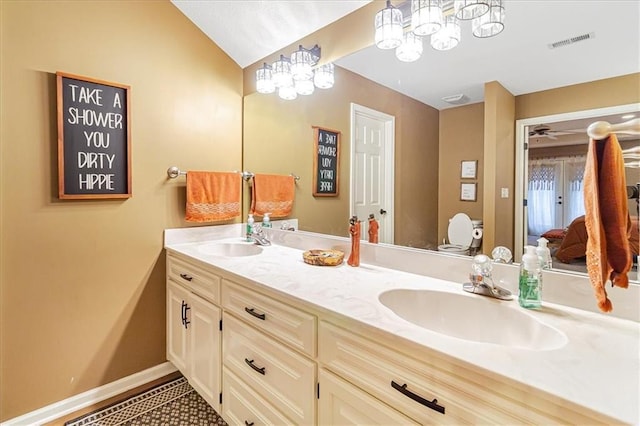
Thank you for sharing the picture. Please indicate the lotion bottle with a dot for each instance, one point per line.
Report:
(530, 282)
(266, 221)
(544, 254)
(250, 222)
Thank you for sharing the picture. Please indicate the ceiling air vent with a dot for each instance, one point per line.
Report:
(571, 40)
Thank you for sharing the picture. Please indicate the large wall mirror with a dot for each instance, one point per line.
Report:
(433, 139)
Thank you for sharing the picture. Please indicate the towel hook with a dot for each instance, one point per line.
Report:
(601, 129)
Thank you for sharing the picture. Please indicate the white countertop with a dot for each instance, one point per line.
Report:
(598, 367)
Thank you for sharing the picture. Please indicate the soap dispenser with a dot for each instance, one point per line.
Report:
(530, 282)
(266, 221)
(544, 254)
(250, 222)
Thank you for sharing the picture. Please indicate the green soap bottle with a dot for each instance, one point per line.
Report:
(530, 281)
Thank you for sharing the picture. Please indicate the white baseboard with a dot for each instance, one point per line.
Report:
(92, 396)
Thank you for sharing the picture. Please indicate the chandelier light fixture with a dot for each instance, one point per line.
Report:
(296, 75)
(388, 24)
(439, 20)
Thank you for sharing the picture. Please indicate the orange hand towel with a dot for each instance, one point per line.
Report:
(606, 218)
(212, 196)
(272, 194)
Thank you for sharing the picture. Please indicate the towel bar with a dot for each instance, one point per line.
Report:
(601, 129)
(173, 172)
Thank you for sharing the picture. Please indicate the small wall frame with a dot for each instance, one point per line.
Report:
(468, 191)
(469, 169)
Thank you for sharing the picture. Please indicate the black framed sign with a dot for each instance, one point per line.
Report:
(326, 159)
(94, 150)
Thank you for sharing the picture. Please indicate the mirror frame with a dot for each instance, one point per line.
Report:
(520, 221)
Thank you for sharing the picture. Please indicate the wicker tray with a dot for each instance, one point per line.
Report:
(323, 257)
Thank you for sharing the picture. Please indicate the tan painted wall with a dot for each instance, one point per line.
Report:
(457, 143)
(278, 139)
(621, 90)
(82, 282)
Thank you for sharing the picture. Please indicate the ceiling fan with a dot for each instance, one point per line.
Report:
(545, 131)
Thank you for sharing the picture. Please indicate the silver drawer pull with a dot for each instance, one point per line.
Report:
(252, 365)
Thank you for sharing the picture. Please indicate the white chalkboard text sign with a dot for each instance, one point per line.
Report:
(94, 150)
(326, 159)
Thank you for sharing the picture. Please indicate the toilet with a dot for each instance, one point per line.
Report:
(464, 234)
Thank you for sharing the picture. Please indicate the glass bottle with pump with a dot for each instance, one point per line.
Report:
(530, 282)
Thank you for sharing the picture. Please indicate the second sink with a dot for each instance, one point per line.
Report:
(472, 318)
(230, 249)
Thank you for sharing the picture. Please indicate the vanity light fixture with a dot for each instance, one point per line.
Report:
(438, 19)
(295, 75)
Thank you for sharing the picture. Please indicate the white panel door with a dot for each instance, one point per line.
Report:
(372, 135)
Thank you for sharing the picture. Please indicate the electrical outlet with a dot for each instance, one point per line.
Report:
(504, 193)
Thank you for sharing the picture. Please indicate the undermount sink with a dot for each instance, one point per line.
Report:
(230, 249)
(473, 318)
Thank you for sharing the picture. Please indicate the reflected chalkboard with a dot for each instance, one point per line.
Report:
(94, 153)
(325, 162)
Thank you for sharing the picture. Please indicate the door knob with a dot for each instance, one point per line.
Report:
(383, 211)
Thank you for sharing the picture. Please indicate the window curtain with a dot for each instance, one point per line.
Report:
(574, 171)
(541, 196)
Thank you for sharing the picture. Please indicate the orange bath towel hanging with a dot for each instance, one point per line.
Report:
(272, 194)
(212, 196)
(606, 218)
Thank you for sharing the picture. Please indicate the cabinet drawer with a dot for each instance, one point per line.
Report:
(195, 278)
(241, 405)
(373, 367)
(292, 326)
(275, 372)
(341, 403)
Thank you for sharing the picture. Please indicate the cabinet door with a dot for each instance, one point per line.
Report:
(341, 403)
(177, 298)
(204, 348)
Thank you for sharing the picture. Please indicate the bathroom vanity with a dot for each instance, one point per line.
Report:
(268, 339)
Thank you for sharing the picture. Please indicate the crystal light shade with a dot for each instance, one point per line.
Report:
(301, 64)
(281, 72)
(287, 93)
(323, 76)
(304, 87)
(470, 9)
(264, 80)
(388, 24)
(449, 35)
(411, 48)
(491, 23)
(426, 16)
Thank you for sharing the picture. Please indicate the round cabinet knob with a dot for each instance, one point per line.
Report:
(383, 211)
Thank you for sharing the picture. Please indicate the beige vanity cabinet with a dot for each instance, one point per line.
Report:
(193, 327)
(428, 390)
(268, 348)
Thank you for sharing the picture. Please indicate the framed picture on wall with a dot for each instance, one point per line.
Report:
(468, 169)
(467, 192)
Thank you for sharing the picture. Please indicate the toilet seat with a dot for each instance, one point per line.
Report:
(460, 230)
(460, 233)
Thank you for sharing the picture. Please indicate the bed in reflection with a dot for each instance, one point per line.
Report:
(569, 246)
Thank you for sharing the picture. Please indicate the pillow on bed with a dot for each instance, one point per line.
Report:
(555, 234)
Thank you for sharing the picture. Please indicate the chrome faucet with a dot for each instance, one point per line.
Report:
(258, 236)
(482, 282)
